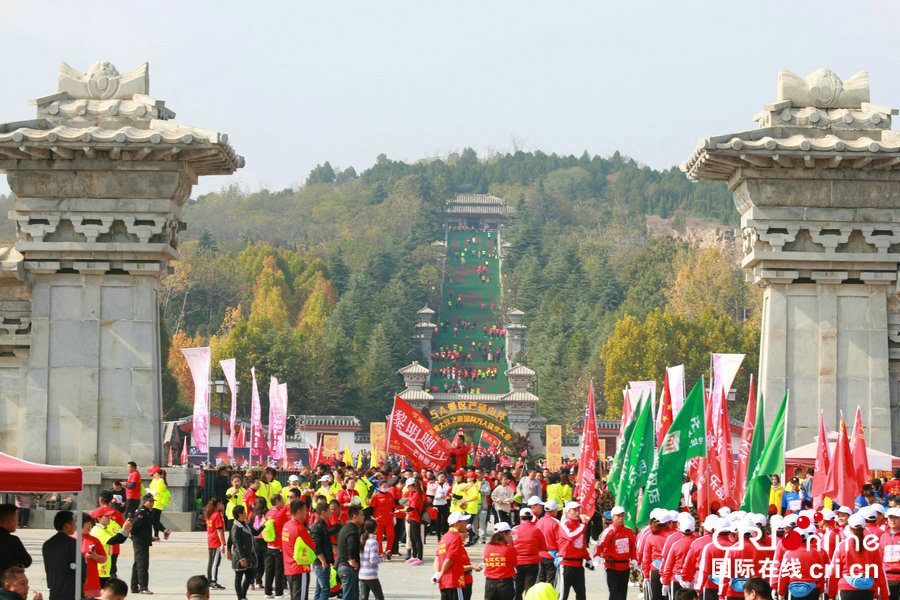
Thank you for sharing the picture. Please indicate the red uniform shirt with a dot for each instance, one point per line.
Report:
(618, 547)
(88, 543)
(249, 500)
(692, 560)
(133, 493)
(707, 571)
(890, 551)
(499, 561)
(529, 542)
(289, 534)
(451, 548)
(848, 561)
(549, 526)
(414, 502)
(798, 565)
(674, 555)
(382, 504)
(571, 543)
(279, 518)
(652, 550)
(892, 487)
(746, 561)
(213, 525)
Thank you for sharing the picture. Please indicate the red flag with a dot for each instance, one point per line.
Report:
(858, 452)
(841, 483)
(700, 466)
(726, 456)
(241, 440)
(184, 454)
(746, 442)
(823, 462)
(587, 463)
(411, 435)
(169, 464)
(664, 418)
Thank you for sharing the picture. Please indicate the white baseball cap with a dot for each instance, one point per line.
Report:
(571, 505)
(526, 512)
(844, 509)
(616, 510)
(501, 526)
(673, 515)
(893, 512)
(410, 481)
(879, 508)
(776, 522)
(686, 522)
(828, 514)
(664, 517)
(709, 523)
(656, 512)
(722, 525)
(293, 478)
(758, 519)
(456, 517)
(856, 521)
(534, 500)
(551, 505)
(724, 511)
(790, 520)
(326, 478)
(868, 513)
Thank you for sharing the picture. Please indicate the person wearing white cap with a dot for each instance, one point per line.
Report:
(674, 554)
(692, 560)
(650, 553)
(572, 551)
(713, 552)
(452, 561)
(890, 547)
(857, 570)
(529, 543)
(549, 526)
(750, 556)
(802, 573)
(617, 548)
(500, 564)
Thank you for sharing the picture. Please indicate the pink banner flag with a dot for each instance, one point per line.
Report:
(725, 368)
(258, 446)
(282, 438)
(198, 360)
(746, 441)
(587, 461)
(229, 368)
(276, 420)
(676, 387)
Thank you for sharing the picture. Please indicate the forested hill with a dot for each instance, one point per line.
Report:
(319, 285)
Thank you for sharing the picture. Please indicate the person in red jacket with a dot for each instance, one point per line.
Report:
(528, 542)
(856, 570)
(414, 505)
(675, 553)
(278, 515)
(692, 560)
(802, 570)
(549, 526)
(890, 550)
(293, 535)
(651, 553)
(572, 551)
(382, 504)
(743, 560)
(617, 547)
(500, 562)
(708, 575)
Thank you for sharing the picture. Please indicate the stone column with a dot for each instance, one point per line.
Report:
(515, 335)
(99, 179)
(424, 331)
(818, 189)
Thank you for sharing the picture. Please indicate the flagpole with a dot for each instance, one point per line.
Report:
(787, 411)
(208, 424)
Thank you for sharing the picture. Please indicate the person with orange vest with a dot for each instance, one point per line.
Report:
(297, 551)
(617, 547)
(675, 552)
(529, 542)
(572, 552)
(856, 570)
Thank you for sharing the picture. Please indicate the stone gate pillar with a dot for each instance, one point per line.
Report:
(817, 189)
(99, 179)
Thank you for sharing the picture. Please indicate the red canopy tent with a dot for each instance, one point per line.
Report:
(18, 476)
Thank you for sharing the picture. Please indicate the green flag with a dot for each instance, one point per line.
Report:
(771, 462)
(615, 472)
(686, 439)
(756, 445)
(638, 462)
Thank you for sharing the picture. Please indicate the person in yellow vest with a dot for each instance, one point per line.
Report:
(457, 490)
(274, 485)
(293, 483)
(775, 494)
(234, 497)
(363, 487)
(162, 498)
(565, 488)
(325, 488)
(554, 489)
(471, 498)
(109, 533)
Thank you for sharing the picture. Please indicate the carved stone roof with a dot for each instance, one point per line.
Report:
(518, 396)
(314, 421)
(480, 204)
(414, 368)
(819, 122)
(104, 114)
(415, 394)
(520, 370)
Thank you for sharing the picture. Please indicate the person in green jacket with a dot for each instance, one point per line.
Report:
(162, 498)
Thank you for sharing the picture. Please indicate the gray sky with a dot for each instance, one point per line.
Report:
(298, 83)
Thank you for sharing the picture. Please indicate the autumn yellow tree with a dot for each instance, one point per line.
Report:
(708, 279)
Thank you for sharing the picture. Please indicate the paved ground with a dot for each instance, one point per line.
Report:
(184, 555)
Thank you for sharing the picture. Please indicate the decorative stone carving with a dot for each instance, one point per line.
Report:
(91, 227)
(830, 237)
(103, 81)
(823, 89)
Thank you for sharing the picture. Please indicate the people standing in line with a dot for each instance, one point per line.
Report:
(451, 560)
(349, 559)
(549, 526)
(215, 540)
(572, 552)
(162, 498)
(12, 551)
(60, 552)
(297, 551)
(241, 552)
(133, 490)
(500, 562)
(142, 539)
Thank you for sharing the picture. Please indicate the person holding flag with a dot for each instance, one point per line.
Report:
(573, 552)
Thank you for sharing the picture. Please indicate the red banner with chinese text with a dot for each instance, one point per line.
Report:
(410, 434)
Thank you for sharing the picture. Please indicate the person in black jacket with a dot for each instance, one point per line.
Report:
(59, 558)
(12, 551)
(142, 539)
(241, 552)
(321, 534)
(348, 552)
